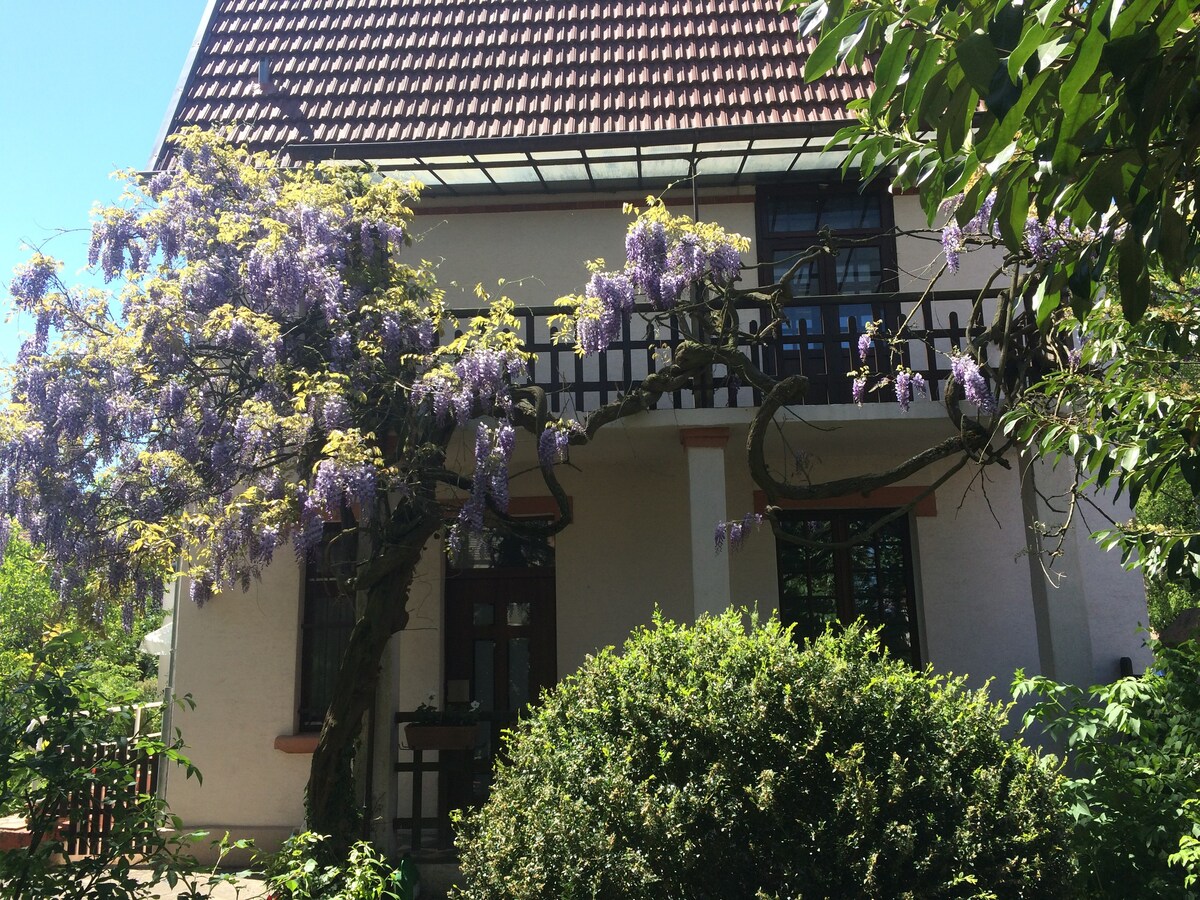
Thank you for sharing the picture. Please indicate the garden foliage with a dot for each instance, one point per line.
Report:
(1066, 136)
(1134, 748)
(295, 873)
(271, 356)
(53, 725)
(725, 761)
(30, 608)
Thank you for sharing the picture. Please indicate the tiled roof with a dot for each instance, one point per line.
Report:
(400, 71)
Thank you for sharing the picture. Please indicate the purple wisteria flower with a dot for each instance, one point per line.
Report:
(32, 279)
(736, 531)
(552, 446)
(493, 451)
(662, 266)
(966, 372)
(1046, 240)
(864, 345)
(952, 245)
(725, 264)
(858, 389)
(909, 385)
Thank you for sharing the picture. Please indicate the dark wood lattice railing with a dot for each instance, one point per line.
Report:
(933, 327)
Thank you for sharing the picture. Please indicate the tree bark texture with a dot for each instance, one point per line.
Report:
(331, 808)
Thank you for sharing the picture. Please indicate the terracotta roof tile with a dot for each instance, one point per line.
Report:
(364, 71)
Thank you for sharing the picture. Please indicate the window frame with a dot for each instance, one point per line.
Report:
(843, 576)
(772, 243)
(320, 618)
(826, 358)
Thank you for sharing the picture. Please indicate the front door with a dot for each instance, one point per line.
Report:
(500, 638)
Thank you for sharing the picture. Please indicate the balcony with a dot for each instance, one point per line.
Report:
(818, 339)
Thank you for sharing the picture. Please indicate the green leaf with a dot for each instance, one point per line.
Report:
(1045, 302)
(1029, 44)
(956, 124)
(889, 67)
(1082, 67)
(1078, 114)
(1014, 211)
(825, 55)
(811, 17)
(919, 78)
(1003, 132)
(978, 60)
(1134, 279)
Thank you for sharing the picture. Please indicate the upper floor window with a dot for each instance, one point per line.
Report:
(819, 336)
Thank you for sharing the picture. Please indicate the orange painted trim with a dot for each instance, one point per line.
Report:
(880, 498)
(704, 437)
(444, 209)
(297, 743)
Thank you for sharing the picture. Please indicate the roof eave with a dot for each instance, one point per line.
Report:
(157, 157)
(376, 150)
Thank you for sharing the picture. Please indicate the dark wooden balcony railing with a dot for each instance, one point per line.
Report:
(819, 339)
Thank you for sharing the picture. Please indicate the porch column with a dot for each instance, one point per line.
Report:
(705, 448)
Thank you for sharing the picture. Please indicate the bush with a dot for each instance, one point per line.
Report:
(717, 761)
(1134, 746)
(300, 871)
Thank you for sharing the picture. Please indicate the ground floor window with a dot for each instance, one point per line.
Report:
(820, 586)
(328, 619)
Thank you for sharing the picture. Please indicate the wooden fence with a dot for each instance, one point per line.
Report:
(90, 812)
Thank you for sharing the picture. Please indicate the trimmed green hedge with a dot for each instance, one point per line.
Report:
(726, 762)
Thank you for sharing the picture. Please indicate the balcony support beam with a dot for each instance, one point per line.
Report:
(705, 449)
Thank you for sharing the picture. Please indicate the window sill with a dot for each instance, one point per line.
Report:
(297, 743)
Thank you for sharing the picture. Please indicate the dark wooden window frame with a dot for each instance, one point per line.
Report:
(793, 356)
(843, 576)
(327, 618)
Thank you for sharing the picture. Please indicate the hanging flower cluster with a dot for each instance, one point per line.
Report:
(555, 441)
(736, 531)
(966, 371)
(493, 451)
(665, 256)
(907, 384)
(1043, 240)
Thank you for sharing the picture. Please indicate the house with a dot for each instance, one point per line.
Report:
(531, 124)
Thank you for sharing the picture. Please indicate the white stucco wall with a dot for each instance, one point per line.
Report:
(542, 253)
(237, 657)
(629, 547)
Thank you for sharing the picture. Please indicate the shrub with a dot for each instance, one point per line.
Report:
(1134, 746)
(721, 761)
(301, 871)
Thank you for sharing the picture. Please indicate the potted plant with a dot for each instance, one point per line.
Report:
(452, 728)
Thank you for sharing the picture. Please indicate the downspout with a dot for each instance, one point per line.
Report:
(169, 695)
(369, 785)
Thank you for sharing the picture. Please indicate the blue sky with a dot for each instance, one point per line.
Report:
(84, 87)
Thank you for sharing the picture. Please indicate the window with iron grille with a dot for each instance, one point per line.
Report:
(821, 322)
(820, 586)
(328, 619)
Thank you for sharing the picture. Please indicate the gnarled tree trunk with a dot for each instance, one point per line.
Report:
(330, 798)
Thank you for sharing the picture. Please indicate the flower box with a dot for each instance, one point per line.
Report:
(439, 737)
